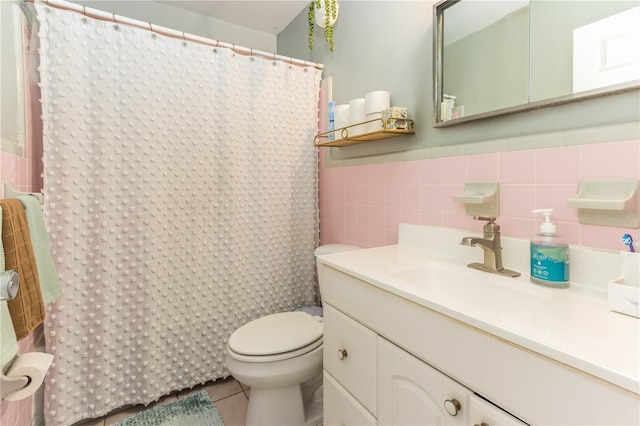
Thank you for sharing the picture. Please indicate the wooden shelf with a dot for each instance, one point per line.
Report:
(322, 139)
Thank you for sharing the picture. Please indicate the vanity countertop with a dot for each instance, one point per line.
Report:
(572, 326)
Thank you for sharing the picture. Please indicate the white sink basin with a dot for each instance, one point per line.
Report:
(471, 287)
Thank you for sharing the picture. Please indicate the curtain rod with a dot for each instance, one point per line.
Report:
(105, 16)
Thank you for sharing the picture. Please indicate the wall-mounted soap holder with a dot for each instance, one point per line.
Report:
(608, 203)
(480, 199)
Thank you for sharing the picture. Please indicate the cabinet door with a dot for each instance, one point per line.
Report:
(483, 413)
(350, 356)
(411, 392)
(340, 408)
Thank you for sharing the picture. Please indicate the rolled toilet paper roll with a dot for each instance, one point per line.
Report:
(342, 119)
(9, 284)
(375, 125)
(357, 111)
(340, 125)
(341, 113)
(33, 365)
(357, 115)
(376, 101)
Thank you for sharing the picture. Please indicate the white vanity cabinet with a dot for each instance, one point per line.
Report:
(483, 413)
(399, 388)
(410, 392)
(341, 408)
(389, 360)
(350, 356)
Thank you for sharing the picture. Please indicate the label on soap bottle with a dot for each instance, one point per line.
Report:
(549, 263)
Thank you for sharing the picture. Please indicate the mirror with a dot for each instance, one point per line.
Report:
(504, 56)
(13, 89)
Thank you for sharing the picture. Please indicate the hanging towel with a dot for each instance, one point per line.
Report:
(27, 308)
(8, 339)
(49, 282)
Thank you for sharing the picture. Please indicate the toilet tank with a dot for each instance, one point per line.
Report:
(335, 248)
(331, 249)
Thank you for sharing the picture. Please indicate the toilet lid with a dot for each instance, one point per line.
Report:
(275, 334)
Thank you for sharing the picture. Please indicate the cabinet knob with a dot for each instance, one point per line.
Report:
(342, 353)
(452, 406)
(481, 424)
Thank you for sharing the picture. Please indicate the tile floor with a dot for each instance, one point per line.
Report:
(228, 395)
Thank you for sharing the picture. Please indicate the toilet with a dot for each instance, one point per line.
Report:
(280, 357)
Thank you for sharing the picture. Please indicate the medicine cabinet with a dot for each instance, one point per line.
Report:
(500, 57)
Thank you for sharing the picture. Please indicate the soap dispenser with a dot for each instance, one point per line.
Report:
(549, 255)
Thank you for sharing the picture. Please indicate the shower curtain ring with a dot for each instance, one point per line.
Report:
(84, 13)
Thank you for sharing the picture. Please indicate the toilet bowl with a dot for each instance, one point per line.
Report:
(280, 357)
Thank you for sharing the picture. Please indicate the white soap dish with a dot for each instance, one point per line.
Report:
(480, 199)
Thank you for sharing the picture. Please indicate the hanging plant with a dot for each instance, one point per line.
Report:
(323, 13)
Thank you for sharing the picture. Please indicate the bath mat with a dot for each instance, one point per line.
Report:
(196, 410)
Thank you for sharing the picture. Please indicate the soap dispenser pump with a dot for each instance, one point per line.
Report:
(549, 255)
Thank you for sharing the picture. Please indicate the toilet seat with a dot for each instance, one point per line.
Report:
(275, 337)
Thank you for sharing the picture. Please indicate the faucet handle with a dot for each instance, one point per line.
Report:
(488, 219)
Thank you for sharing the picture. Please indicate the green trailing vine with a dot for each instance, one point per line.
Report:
(329, 5)
(311, 16)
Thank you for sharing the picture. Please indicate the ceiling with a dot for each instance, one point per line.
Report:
(266, 16)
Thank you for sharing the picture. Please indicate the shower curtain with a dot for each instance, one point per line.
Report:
(180, 195)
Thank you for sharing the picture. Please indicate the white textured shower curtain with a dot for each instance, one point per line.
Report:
(180, 195)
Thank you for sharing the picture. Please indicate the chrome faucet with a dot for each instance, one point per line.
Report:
(490, 245)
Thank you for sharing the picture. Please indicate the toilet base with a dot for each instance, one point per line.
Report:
(275, 407)
(299, 405)
(313, 412)
(282, 391)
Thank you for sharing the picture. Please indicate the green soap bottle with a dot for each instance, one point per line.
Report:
(549, 255)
